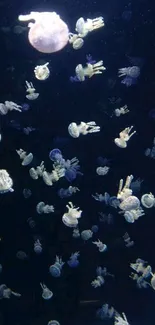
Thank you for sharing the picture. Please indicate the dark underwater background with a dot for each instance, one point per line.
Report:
(129, 31)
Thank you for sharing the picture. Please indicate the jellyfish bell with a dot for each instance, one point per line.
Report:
(49, 33)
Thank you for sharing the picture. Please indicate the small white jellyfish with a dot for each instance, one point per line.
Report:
(49, 33)
(12, 106)
(6, 182)
(124, 137)
(132, 215)
(101, 247)
(70, 218)
(44, 208)
(38, 172)
(42, 72)
(121, 111)
(98, 282)
(76, 41)
(38, 247)
(84, 27)
(89, 71)
(102, 171)
(148, 200)
(46, 293)
(26, 159)
(141, 282)
(32, 95)
(9, 106)
(55, 269)
(83, 128)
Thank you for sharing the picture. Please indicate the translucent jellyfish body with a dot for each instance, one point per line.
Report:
(86, 234)
(6, 182)
(105, 312)
(55, 155)
(131, 74)
(130, 203)
(132, 215)
(101, 247)
(148, 200)
(49, 33)
(46, 293)
(73, 261)
(102, 171)
(55, 269)
(6, 292)
(42, 72)
(37, 247)
(26, 159)
(70, 218)
(83, 128)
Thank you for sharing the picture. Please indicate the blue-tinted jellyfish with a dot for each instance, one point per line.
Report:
(73, 261)
(70, 174)
(71, 169)
(131, 75)
(46, 293)
(55, 155)
(37, 247)
(55, 269)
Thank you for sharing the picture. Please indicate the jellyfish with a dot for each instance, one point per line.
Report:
(73, 261)
(55, 155)
(37, 246)
(46, 293)
(131, 75)
(49, 33)
(55, 269)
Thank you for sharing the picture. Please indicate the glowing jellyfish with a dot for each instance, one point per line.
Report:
(6, 182)
(49, 33)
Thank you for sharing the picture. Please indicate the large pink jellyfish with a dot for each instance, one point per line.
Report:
(49, 33)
